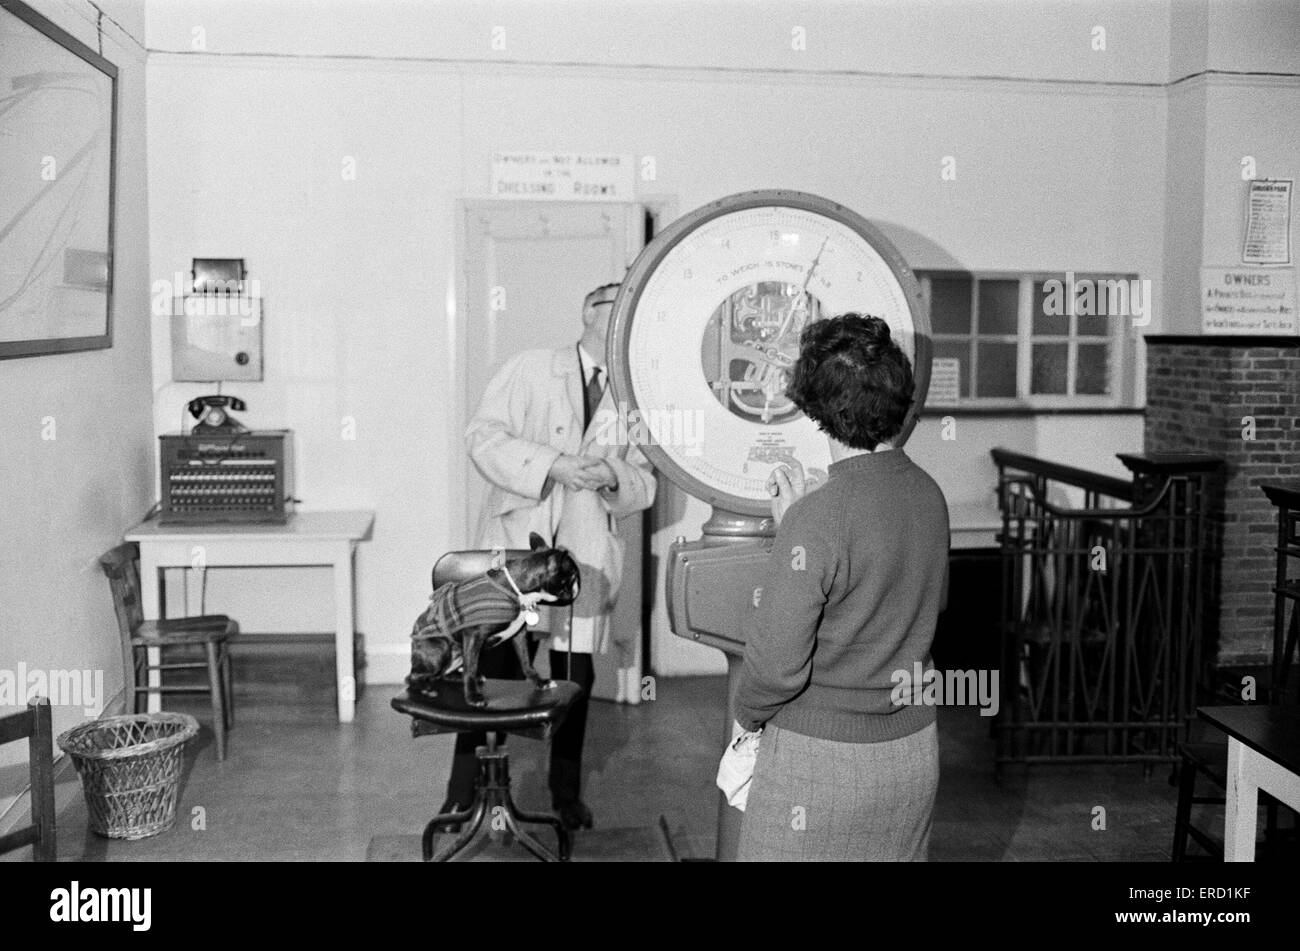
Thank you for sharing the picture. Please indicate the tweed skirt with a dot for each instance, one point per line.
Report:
(815, 800)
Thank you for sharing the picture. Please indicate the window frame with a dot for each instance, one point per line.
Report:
(1121, 363)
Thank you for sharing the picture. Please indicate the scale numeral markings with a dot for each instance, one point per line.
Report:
(654, 363)
(661, 316)
(687, 273)
(774, 235)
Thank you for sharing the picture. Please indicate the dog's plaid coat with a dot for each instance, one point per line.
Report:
(453, 607)
(458, 605)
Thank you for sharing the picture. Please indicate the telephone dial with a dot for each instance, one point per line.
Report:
(213, 414)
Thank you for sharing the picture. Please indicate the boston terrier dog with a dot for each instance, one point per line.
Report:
(465, 617)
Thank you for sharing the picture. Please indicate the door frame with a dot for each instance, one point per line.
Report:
(663, 207)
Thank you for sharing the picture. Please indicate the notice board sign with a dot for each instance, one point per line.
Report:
(1248, 301)
(563, 176)
(945, 382)
(1268, 223)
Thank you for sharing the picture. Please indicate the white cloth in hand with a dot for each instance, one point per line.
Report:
(736, 771)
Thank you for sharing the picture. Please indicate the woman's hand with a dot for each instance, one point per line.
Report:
(786, 485)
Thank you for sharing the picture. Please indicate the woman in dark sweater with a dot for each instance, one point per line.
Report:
(847, 767)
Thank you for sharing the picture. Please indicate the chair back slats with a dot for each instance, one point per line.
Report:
(36, 727)
(122, 566)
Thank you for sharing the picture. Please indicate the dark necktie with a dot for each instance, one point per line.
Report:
(595, 390)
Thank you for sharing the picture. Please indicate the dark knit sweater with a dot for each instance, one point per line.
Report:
(857, 577)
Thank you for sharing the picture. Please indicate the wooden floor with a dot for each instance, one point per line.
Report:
(298, 786)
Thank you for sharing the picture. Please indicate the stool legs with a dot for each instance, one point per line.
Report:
(492, 798)
(472, 820)
(514, 816)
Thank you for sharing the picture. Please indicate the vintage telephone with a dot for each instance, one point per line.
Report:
(213, 415)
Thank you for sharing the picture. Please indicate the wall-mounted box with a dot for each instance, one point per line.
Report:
(216, 337)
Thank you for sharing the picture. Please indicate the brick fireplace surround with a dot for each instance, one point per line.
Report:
(1199, 391)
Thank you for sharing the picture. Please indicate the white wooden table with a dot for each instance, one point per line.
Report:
(309, 539)
(1263, 753)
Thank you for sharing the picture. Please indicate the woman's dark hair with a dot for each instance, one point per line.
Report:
(852, 380)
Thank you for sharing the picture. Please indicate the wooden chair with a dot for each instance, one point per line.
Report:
(212, 633)
(34, 725)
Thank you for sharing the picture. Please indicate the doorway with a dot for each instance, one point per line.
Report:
(525, 268)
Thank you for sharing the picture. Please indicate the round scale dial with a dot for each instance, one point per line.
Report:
(706, 329)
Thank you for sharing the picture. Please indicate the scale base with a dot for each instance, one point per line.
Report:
(732, 581)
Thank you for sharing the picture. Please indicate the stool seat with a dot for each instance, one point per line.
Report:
(513, 706)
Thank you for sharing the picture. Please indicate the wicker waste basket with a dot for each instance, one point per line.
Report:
(130, 769)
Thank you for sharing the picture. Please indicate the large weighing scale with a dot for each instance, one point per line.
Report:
(704, 333)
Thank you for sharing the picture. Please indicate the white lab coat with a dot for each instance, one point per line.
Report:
(530, 414)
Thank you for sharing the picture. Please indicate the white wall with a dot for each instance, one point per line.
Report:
(1060, 148)
(1236, 68)
(67, 500)
(1042, 39)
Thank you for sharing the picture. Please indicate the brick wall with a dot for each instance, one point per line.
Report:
(1199, 391)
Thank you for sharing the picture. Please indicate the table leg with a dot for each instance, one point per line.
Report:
(151, 607)
(344, 637)
(1241, 805)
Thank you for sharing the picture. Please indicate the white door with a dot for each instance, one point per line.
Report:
(526, 266)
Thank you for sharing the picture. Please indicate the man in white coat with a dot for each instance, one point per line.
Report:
(540, 438)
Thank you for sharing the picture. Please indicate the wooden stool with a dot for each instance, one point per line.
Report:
(513, 706)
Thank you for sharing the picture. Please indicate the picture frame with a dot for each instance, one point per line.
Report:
(58, 105)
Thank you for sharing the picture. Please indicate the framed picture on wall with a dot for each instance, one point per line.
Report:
(58, 134)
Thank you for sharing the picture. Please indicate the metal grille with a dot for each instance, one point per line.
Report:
(1101, 612)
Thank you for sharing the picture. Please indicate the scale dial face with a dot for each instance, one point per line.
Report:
(706, 327)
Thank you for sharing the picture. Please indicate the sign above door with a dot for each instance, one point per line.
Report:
(563, 176)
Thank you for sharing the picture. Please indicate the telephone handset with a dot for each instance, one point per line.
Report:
(213, 414)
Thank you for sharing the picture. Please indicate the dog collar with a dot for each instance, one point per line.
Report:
(527, 602)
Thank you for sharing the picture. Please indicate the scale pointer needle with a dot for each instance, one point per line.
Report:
(803, 294)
